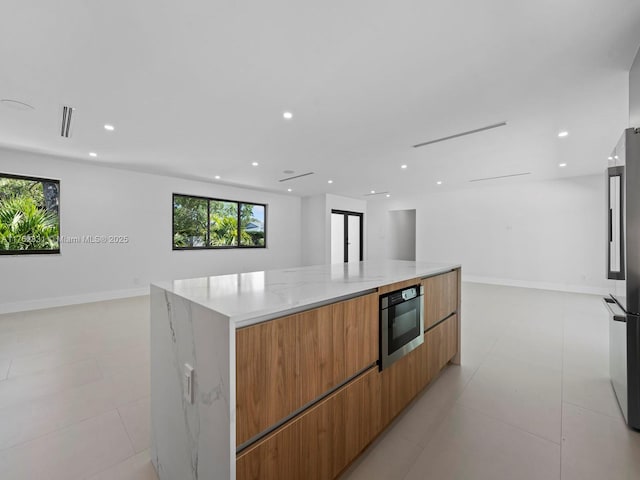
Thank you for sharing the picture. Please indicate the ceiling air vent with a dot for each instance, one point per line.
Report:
(501, 176)
(65, 129)
(461, 134)
(297, 176)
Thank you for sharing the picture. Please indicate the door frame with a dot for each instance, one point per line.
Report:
(347, 214)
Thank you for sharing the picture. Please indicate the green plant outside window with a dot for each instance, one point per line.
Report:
(29, 215)
(201, 223)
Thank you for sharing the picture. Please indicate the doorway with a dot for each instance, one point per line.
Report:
(346, 236)
(402, 235)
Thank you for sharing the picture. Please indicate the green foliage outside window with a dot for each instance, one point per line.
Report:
(29, 218)
(209, 223)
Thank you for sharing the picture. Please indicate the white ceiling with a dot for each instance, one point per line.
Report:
(197, 88)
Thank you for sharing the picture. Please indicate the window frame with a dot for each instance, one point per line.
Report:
(40, 180)
(207, 245)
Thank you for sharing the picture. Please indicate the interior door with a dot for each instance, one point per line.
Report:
(346, 236)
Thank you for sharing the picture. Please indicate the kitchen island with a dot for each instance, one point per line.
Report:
(273, 374)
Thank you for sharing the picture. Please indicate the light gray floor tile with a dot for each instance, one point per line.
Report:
(77, 452)
(137, 467)
(30, 387)
(470, 445)
(28, 420)
(389, 457)
(4, 368)
(136, 418)
(517, 393)
(591, 392)
(597, 447)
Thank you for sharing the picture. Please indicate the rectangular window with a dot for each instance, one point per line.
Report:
(251, 225)
(29, 215)
(204, 223)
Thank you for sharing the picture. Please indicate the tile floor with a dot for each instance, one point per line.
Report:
(530, 401)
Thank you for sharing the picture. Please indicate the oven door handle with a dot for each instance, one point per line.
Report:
(611, 304)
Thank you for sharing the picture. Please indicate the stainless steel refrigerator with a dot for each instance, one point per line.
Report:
(623, 266)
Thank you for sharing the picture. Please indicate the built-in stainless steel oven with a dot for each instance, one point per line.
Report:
(401, 323)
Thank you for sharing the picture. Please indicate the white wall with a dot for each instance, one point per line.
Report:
(106, 201)
(314, 230)
(634, 93)
(548, 234)
(316, 223)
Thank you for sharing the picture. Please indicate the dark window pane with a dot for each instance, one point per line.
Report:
(189, 221)
(29, 218)
(224, 224)
(251, 225)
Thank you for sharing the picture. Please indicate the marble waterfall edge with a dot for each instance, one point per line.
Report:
(191, 441)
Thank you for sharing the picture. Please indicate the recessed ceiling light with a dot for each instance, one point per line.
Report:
(388, 195)
(562, 164)
(287, 115)
(93, 154)
(610, 158)
(217, 177)
(329, 181)
(403, 166)
(563, 134)
(109, 128)
(616, 157)
(289, 190)
(439, 182)
(255, 164)
(373, 191)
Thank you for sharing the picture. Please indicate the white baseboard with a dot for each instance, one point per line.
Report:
(560, 287)
(71, 300)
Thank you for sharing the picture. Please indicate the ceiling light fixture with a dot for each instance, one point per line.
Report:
(403, 166)
(289, 190)
(93, 154)
(16, 104)
(109, 128)
(287, 115)
(562, 165)
(388, 195)
(374, 193)
(217, 177)
(616, 157)
(610, 158)
(255, 164)
(329, 181)
(563, 134)
(439, 182)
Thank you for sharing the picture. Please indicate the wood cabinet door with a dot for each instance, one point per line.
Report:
(322, 441)
(441, 343)
(401, 382)
(284, 364)
(440, 297)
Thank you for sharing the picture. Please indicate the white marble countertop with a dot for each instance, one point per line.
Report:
(248, 298)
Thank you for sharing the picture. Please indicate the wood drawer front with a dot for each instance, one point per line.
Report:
(401, 382)
(441, 345)
(284, 364)
(440, 297)
(321, 442)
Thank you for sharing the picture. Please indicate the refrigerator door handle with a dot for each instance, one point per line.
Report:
(610, 225)
(611, 304)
